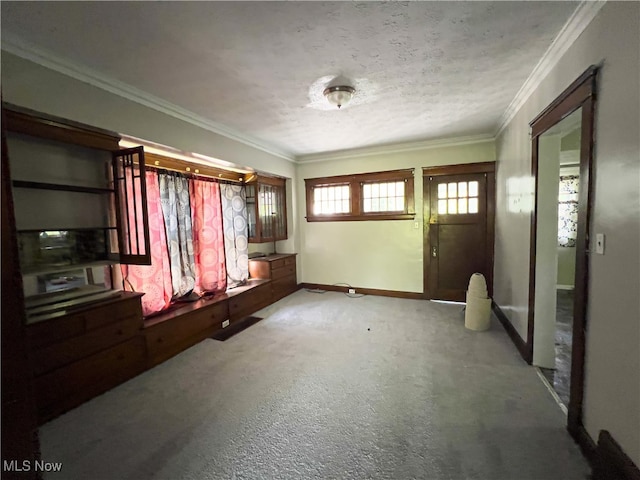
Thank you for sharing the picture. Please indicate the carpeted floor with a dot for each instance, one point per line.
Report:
(327, 387)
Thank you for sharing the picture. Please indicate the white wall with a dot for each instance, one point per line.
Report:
(612, 383)
(544, 353)
(29, 85)
(385, 254)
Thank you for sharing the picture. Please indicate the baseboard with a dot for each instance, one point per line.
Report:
(364, 291)
(611, 462)
(583, 439)
(515, 337)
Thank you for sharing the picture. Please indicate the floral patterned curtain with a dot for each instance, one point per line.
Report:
(236, 241)
(568, 210)
(155, 279)
(208, 241)
(176, 208)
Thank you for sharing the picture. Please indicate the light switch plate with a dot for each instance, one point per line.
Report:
(600, 243)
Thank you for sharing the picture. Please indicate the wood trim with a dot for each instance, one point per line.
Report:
(511, 331)
(356, 183)
(357, 218)
(37, 124)
(584, 441)
(588, 77)
(460, 168)
(153, 160)
(580, 94)
(275, 181)
(364, 291)
(360, 177)
(611, 462)
(19, 422)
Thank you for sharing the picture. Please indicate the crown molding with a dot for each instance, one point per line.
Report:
(394, 148)
(577, 23)
(84, 74)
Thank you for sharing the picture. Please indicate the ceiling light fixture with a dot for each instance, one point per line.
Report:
(339, 95)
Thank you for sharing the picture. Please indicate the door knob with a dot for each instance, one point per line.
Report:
(434, 252)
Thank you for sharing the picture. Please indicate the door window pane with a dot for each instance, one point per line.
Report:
(473, 205)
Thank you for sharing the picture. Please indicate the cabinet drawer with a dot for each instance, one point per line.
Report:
(290, 260)
(185, 326)
(248, 302)
(72, 349)
(124, 310)
(68, 386)
(277, 263)
(283, 272)
(51, 331)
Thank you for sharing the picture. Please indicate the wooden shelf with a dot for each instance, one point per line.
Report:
(60, 187)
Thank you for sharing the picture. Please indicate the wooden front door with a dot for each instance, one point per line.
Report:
(458, 229)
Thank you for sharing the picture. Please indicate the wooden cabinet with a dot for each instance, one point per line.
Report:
(267, 209)
(178, 330)
(84, 353)
(79, 200)
(280, 269)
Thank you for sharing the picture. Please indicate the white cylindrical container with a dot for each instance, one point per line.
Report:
(477, 315)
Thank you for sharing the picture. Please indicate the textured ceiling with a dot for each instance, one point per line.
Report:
(422, 70)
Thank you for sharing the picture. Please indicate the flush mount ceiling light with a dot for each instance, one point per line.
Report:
(339, 95)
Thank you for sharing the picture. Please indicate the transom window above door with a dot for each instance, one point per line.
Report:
(458, 198)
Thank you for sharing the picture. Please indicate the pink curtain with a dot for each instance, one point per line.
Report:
(155, 279)
(208, 239)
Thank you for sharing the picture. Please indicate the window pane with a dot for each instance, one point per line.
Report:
(442, 190)
(375, 205)
(375, 190)
(462, 189)
(473, 204)
(367, 204)
(453, 190)
(391, 189)
(462, 205)
(442, 207)
(329, 200)
(473, 189)
(383, 189)
(400, 189)
(453, 203)
(383, 204)
(366, 190)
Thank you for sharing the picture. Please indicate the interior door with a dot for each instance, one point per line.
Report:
(459, 234)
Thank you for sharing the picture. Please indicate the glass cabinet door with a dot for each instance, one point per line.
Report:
(266, 208)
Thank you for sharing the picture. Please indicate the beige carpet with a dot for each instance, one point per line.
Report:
(327, 387)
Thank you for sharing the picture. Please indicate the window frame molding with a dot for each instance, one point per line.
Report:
(356, 182)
